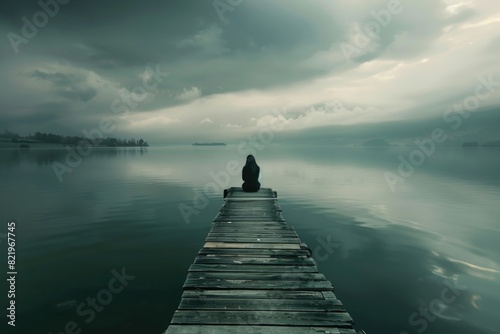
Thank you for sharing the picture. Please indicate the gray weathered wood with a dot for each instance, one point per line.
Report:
(339, 319)
(269, 240)
(249, 329)
(306, 261)
(258, 276)
(253, 234)
(254, 275)
(253, 251)
(255, 294)
(243, 225)
(261, 305)
(212, 244)
(253, 267)
(252, 284)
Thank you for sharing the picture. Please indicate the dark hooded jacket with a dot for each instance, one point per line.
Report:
(250, 175)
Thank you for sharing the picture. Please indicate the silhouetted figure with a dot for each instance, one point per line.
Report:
(250, 175)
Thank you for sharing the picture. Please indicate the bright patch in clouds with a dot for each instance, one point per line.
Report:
(189, 94)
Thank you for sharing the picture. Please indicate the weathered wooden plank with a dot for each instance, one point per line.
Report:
(252, 267)
(251, 255)
(248, 329)
(253, 252)
(251, 199)
(257, 209)
(280, 225)
(253, 235)
(234, 230)
(250, 196)
(277, 240)
(262, 304)
(251, 211)
(246, 199)
(257, 215)
(329, 295)
(263, 193)
(256, 234)
(255, 260)
(250, 222)
(257, 276)
(235, 192)
(339, 319)
(255, 294)
(250, 219)
(254, 285)
(269, 221)
(251, 229)
(211, 244)
(251, 203)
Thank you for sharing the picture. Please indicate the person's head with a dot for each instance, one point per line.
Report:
(252, 163)
(250, 159)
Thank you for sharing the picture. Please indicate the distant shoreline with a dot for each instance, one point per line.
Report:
(49, 140)
(6, 144)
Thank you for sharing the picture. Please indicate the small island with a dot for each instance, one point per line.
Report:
(470, 144)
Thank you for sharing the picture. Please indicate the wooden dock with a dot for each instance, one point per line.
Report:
(254, 275)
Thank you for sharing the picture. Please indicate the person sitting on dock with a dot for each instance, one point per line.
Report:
(250, 175)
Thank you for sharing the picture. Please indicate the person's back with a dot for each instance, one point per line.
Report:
(250, 175)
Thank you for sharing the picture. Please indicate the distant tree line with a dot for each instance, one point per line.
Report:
(493, 143)
(42, 137)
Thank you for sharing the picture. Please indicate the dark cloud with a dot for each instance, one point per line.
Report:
(37, 115)
(70, 86)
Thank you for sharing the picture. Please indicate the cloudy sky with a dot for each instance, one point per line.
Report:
(203, 70)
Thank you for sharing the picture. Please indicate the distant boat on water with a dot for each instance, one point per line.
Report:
(209, 144)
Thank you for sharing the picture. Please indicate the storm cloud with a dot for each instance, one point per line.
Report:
(328, 63)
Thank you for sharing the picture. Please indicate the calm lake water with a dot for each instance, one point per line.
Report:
(422, 258)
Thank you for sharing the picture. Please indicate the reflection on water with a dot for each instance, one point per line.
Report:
(421, 258)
